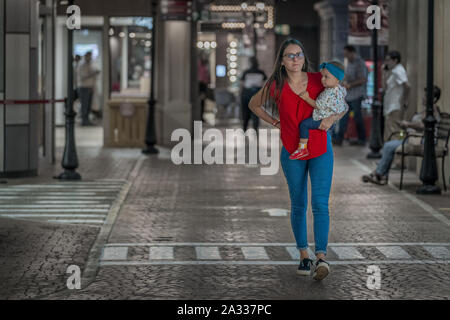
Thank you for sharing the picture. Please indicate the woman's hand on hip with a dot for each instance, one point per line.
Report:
(326, 123)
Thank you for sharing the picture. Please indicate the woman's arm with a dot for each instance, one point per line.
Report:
(327, 123)
(256, 103)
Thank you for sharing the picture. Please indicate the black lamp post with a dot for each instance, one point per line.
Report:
(375, 136)
(70, 158)
(150, 133)
(428, 172)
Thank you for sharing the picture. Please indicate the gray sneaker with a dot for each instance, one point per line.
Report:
(322, 270)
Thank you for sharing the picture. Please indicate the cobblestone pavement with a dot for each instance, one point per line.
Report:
(223, 232)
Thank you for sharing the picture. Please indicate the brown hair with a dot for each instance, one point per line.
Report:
(279, 76)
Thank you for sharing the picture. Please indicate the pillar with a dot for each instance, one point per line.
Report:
(333, 28)
(173, 76)
(19, 67)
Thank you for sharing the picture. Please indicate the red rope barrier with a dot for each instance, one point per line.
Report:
(30, 101)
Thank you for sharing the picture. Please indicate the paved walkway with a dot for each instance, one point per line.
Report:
(223, 232)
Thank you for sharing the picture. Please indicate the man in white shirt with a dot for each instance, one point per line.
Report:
(87, 75)
(396, 93)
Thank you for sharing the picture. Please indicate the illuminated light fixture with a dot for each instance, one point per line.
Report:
(233, 25)
(213, 44)
(233, 51)
(228, 56)
(256, 25)
(244, 5)
(122, 34)
(233, 72)
(206, 44)
(260, 5)
(233, 44)
(148, 35)
(132, 35)
(111, 32)
(233, 58)
(148, 43)
(233, 65)
(233, 78)
(200, 44)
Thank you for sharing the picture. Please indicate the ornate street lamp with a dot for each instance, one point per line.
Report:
(150, 133)
(70, 158)
(375, 136)
(428, 172)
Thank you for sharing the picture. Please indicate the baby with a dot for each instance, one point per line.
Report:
(330, 101)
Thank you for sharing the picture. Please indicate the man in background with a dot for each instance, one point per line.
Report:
(252, 81)
(355, 82)
(87, 75)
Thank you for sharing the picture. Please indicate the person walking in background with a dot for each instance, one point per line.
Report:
(87, 75)
(355, 82)
(203, 81)
(76, 63)
(252, 81)
(396, 94)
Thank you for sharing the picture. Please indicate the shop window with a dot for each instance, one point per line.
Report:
(130, 41)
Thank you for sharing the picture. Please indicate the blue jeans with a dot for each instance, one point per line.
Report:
(388, 153)
(354, 106)
(306, 125)
(320, 170)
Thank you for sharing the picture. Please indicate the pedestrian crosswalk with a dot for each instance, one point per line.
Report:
(74, 202)
(177, 253)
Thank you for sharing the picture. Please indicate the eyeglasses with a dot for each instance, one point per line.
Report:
(292, 56)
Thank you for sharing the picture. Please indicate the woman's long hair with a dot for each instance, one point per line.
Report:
(279, 76)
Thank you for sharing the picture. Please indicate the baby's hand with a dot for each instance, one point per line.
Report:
(304, 95)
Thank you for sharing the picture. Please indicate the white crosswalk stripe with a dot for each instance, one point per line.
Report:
(161, 253)
(115, 253)
(86, 202)
(347, 253)
(295, 253)
(207, 253)
(255, 253)
(438, 252)
(394, 252)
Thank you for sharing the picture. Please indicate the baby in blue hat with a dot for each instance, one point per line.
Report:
(330, 101)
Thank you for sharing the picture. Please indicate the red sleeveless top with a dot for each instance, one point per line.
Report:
(293, 110)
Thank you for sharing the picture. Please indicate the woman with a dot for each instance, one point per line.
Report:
(289, 79)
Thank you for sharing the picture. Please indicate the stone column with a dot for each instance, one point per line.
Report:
(19, 123)
(173, 75)
(333, 28)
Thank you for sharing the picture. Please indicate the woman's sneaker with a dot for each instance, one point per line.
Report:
(304, 268)
(322, 270)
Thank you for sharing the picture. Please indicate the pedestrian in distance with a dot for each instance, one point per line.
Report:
(87, 76)
(355, 81)
(280, 97)
(396, 93)
(252, 81)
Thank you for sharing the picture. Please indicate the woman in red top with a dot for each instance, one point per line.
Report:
(281, 92)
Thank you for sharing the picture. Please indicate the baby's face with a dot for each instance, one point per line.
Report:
(328, 80)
